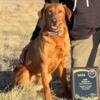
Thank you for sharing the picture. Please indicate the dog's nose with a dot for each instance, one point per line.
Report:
(54, 20)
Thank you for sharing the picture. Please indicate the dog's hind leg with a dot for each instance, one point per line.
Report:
(21, 76)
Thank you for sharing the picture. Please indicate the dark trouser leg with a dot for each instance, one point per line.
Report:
(36, 32)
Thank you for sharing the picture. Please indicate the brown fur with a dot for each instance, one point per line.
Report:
(47, 52)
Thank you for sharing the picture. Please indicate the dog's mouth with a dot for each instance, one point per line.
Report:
(53, 27)
(53, 30)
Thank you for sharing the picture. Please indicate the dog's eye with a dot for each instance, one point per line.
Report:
(49, 12)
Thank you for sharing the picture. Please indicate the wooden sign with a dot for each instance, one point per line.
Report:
(85, 84)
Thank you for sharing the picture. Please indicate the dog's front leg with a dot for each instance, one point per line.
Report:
(45, 81)
(62, 75)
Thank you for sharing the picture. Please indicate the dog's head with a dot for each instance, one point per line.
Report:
(55, 16)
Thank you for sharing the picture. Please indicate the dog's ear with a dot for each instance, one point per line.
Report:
(67, 12)
(42, 11)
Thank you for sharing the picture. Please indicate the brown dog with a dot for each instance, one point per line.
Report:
(49, 51)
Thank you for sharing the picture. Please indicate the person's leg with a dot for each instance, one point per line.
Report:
(81, 50)
(96, 45)
(86, 52)
(52, 1)
(36, 32)
(38, 28)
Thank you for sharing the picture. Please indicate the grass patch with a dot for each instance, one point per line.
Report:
(27, 93)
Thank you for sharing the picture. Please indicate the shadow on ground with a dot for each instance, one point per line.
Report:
(5, 79)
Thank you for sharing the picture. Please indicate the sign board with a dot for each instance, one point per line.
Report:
(85, 84)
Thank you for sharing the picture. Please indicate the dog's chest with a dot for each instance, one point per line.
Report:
(57, 54)
(60, 50)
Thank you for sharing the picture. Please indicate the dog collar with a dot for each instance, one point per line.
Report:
(53, 33)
